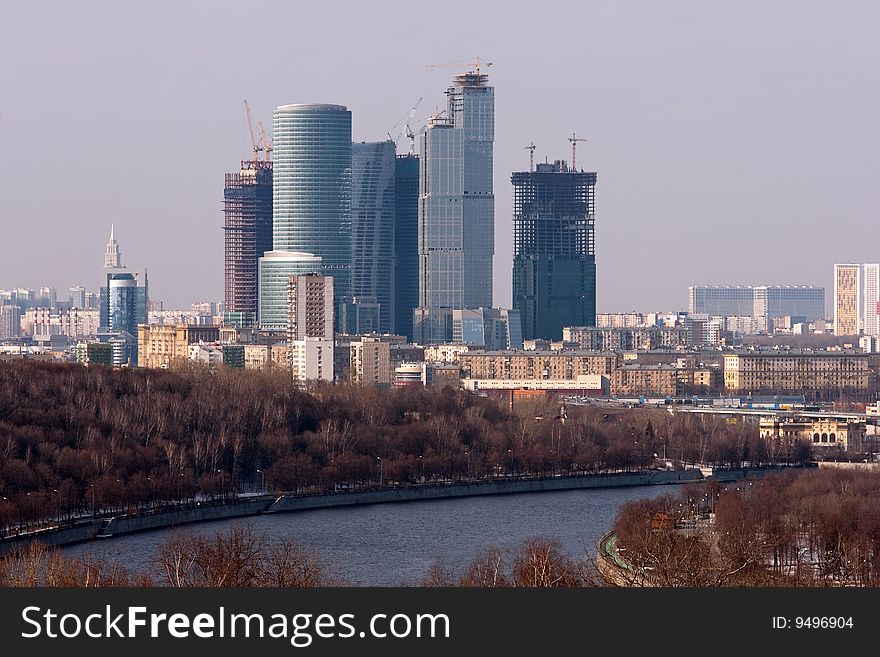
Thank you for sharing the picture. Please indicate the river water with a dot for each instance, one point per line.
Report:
(396, 544)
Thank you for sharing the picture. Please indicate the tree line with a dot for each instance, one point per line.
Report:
(817, 527)
(78, 441)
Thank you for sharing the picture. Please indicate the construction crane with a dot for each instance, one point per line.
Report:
(265, 142)
(531, 149)
(574, 139)
(474, 63)
(257, 147)
(406, 130)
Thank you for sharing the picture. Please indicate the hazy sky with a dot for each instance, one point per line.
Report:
(736, 143)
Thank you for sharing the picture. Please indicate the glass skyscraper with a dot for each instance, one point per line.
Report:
(456, 208)
(372, 226)
(311, 195)
(406, 242)
(554, 254)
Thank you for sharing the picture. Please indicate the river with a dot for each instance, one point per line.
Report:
(396, 544)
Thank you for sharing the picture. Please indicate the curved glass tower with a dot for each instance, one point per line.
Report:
(312, 187)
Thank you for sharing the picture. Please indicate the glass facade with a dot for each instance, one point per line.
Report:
(123, 304)
(275, 270)
(372, 226)
(758, 301)
(312, 188)
(456, 200)
(554, 255)
(406, 243)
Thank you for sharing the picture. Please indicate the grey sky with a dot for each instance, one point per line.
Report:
(735, 142)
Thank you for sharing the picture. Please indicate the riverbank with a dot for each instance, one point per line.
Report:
(94, 529)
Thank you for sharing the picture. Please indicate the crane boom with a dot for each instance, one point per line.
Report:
(574, 139)
(250, 121)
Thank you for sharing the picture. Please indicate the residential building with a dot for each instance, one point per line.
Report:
(587, 385)
(406, 242)
(78, 297)
(275, 270)
(847, 292)
(816, 375)
(247, 236)
(311, 359)
(372, 226)
(566, 365)
(371, 361)
(169, 345)
(871, 300)
(554, 255)
(456, 208)
(310, 307)
(645, 380)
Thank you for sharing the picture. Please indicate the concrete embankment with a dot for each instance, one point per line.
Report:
(88, 529)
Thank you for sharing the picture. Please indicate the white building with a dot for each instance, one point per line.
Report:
(311, 359)
(871, 299)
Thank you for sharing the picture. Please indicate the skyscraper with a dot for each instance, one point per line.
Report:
(846, 299)
(456, 208)
(871, 296)
(406, 243)
(761, 301)
(554, 256)
(78, 297)
(311, 195)
(372, 226)
(112, 254)
(247, 226)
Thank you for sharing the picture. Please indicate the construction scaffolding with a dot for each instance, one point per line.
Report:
(247, 209)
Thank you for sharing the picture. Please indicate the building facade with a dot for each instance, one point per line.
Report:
(310, 307)
(871, 300)
(762, 301)
(536, 364)
(373, 196)
(275, 270)
(817, 376)
(371, 362)
(311, 191)
(406, 242)
(167, 346)
(493, 328)
(554, 256)
(846, 299)
(645, 380)
(247, 235)
(10, 321)
(456, 208)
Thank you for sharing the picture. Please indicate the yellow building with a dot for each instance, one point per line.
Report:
(796, 373)
(536, 364)
(647, 380)
(164, 346)
(822, 432)
(846, 299)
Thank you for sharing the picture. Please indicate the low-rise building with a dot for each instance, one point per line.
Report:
(588, 385)
(168, 345)
(564, 365)
(645, 380)
(822, 432)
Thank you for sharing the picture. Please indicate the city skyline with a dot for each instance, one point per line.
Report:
(704, 94)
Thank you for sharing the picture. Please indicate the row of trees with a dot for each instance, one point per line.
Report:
(810, 528)
(77, 441)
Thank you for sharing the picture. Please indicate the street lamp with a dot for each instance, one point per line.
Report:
(468, 454)
(379, 459)
(510, 452)
(262, 481)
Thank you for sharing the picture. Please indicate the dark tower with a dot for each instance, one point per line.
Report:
(406, 242)
(554, 256)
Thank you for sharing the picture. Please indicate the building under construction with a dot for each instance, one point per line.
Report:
(554, 255)
(247, 206)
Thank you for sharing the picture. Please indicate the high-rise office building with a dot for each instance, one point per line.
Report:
(764, 301)
(48, 297)
(847, 292)
(372, 226)
(456, 208)
(554, 255)
(493, 328)
(123, 303)
(311, 193)
(10, 321)
(78, 297)
(406, 242)
(247, 226)
(871, 300)
(275, 270)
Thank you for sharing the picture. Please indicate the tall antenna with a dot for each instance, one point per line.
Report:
(574, 139)
(531, 149)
